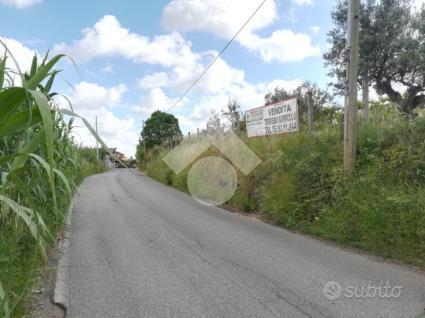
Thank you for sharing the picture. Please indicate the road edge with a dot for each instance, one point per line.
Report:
(60, 292)
(256, 215)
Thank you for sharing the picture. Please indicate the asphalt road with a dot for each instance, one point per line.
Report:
(141, 249)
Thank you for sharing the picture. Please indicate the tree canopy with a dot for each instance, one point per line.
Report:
(234, 114)
(392, 50)
(159, 128)
(320, 97)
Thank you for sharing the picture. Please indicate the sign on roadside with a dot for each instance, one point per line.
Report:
(277, 118)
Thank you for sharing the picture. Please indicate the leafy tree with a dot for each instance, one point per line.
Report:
(159, 128)
(392, 49)
(278, 94)
(214, 123)
(234, 115)
(322, 100)
(140, 152)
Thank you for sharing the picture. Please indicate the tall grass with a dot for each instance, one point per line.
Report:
(300, 184)
(40, 167)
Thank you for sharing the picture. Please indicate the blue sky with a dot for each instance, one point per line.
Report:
(138, 56)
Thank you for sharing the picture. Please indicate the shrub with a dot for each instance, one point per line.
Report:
(301, 184)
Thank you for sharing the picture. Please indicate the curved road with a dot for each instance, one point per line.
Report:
(141, 249)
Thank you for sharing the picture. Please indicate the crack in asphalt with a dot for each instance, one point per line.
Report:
(195, 261)
(277, 290)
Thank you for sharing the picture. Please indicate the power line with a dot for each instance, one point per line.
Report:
(217, 57)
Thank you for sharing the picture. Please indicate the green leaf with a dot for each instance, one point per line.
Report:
(32, 220)
(46, 167)
(64, 180)
(42, 72)
(45, 57)
(45, 111)
(49, 83)
(5, 159)
(2, 70)
(33, 66)
(24, 213)
(43, 163)
(20, 121)
(30, 147)
(4, 305)
(10, 100)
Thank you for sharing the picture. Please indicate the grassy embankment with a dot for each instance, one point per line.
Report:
(301, 185)
(40, 169)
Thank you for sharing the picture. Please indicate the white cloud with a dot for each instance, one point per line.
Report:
(22, 54)
(206, 105)
(108, 69)
(303, 2)
(179, 78)
(220, 76)
(315, 29)
(220, 83)
(115, 132)
(155, 100)
(283, 46)
(247, 95)
(20, 4)
(109, 38)
(289, 85)
(34, 41)
(223, 18)
(417, 4)
(90, 96)
(181, 66)
(155, 80)
(90, 100)
(398, 87)
(194, 111)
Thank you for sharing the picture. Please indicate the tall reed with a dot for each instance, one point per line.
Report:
(40, 168)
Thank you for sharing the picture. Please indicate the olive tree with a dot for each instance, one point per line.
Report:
(392, 50)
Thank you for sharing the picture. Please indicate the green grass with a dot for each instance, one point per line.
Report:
(40, 168)
(21, 258)
(301, 184)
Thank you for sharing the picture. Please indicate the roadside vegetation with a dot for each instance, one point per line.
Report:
(40, 169)
(301, 185)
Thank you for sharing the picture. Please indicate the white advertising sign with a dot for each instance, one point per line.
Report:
(278, 118)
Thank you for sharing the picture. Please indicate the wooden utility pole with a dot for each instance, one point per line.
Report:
(350, 118)
(97, 144)
(365, 98)
(310, 111)
(144, 143)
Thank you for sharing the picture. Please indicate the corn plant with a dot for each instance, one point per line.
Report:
(40, 167)
(27, 134)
